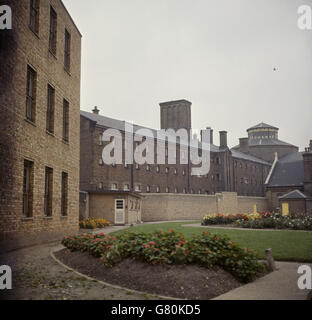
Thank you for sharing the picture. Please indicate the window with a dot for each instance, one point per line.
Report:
(53, 31)
(50, 109)
(176, 171)
(31, 94)
(137, 188)
(65, 120)
(48, 190)
(28, 188)
(167, 189)
(148, 168)
(176, 190)
(167, 170)
(101, 185)
(34, 16)
(148, 188)
(183, 172)
(67, 51)
(157, 189)
(64, 205)
(158, 169)
(184, 190)
(137, 166)
(114, 186)
(126, 187)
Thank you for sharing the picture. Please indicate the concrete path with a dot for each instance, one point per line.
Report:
(278, 285)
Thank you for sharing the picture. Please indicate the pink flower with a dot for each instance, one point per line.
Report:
(153, 243)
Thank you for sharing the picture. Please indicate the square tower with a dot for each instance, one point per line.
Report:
(175, 115)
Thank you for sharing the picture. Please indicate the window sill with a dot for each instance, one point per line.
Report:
(27, 219)
(64, 217)
(65, 142)
(30, 122)
(47, 218)
(50, 133)
(34, 32)
(67, 71)
(53, 54)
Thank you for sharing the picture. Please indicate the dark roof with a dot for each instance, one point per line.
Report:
(120, 125)
(268, 142)
(116, 192)
(249, 157)
(262, 125)
(296, 194)
(288, 171)
(168, 103)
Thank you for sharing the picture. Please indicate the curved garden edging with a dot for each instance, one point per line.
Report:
(105, 283)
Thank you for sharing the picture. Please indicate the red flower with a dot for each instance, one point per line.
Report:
(147, 246)
(207, 252)
(101, 234)
(155, 249)
(181, 242)
(230, 242)
(108, 246)
(171, 230)
(153, 243)
(216, 238)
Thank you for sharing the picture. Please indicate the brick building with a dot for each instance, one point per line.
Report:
(39, 132)
(231, 170)
(263, 142)
(289, 184)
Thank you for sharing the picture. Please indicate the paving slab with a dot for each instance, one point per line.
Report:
(278, 285)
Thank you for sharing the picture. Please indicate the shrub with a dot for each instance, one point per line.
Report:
(277, 221)
(170, 248)
(91, 223)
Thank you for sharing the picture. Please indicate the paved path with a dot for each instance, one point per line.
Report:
(37, 276)
(278, 285)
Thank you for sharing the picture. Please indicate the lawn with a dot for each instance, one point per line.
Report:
(286, 245)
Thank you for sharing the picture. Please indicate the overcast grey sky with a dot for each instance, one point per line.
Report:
(218, 54)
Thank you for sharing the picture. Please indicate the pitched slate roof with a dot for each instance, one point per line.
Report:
(120, 125)
(245, 156)
(296, 194)
(288, 172)
(262, 125)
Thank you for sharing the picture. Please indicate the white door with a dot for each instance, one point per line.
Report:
(119, 211)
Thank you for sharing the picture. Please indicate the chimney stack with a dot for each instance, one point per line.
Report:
(223, 139)
(211, 134)
(243, 145)
(307, 164)
(96, 110)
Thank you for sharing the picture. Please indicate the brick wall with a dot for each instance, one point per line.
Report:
(21, 139)
(164, 207)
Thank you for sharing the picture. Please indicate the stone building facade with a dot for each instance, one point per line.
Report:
(231, 170)
(263, 142)
(289, 183)
(39, 133)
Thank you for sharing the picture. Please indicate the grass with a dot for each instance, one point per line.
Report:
(286, 245)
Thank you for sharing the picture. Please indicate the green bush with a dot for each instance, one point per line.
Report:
(170, 248)
(277, 222)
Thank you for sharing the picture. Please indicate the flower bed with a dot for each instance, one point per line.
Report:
(215, 219)
(170, 248)
(277, 222)
(91, 223)
(262, 220)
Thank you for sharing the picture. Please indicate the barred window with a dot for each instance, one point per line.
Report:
(48, 192)
(50, 109)
(64, 205)
(28, 188)
(53, 31)
(31, 94)
(34, 16)
(65, 120)
(67, 51)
